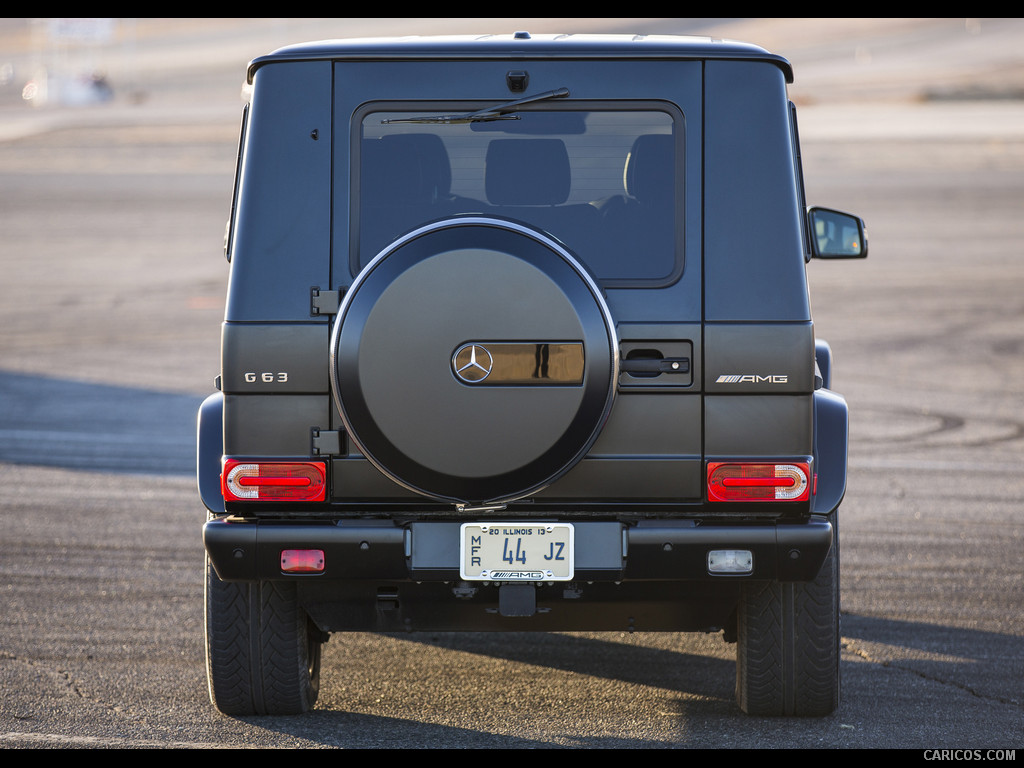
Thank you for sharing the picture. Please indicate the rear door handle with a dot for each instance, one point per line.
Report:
(648, 365)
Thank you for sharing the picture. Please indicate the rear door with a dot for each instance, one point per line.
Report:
(609, 177)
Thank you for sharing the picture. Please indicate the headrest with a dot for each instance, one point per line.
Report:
(650, 169)
(411, 168)
(527, 172)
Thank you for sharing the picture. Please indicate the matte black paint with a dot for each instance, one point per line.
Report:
(738, 306)
(458, 281)
(605, 551)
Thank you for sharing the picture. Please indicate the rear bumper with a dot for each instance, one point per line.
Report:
(382, 551)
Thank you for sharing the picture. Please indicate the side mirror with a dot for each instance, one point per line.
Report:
(836, 235)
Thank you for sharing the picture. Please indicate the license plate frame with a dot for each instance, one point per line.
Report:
(538, 551)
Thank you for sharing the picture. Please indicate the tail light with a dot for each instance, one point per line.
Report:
(274, 481)
(733, 481)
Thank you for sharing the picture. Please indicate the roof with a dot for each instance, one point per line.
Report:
(524, 46)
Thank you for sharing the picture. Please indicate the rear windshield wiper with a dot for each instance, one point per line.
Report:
(489, 113)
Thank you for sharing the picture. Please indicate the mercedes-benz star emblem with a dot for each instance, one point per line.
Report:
(472, 363)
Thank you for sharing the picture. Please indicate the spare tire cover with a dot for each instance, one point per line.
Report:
(474, 361)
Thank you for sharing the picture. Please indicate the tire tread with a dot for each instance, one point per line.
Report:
(787, 649)
(258, 648)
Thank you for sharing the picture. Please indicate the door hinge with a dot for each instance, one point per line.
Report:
(326, 442)
(324, 302)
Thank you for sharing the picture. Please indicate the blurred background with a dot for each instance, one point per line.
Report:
(112, 105)
(117, 152)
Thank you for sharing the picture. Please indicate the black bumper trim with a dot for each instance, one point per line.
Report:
(655, 550)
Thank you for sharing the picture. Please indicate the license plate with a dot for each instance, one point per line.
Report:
(516, 551)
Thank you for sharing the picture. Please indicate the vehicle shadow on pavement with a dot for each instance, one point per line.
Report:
(477, 689)
(987, 666)
(81, 425)
(659, 659)
(351, 730)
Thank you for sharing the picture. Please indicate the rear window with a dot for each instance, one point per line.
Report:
(605, 182)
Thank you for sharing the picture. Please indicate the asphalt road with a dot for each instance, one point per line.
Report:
(111, 296)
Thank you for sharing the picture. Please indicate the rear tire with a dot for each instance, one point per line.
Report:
(787, 644)
(262, 650)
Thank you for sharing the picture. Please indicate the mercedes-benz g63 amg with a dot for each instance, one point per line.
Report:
(518, 338)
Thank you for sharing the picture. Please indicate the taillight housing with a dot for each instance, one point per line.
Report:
(750, 481)
(274, 480)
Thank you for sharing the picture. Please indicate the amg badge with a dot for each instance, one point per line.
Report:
(752, 378)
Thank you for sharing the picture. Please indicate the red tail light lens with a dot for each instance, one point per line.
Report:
(302, 560)
(274, 481)
(731, 481)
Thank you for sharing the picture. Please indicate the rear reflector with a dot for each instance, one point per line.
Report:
(758, 482)
(274, 481)
(302, 560)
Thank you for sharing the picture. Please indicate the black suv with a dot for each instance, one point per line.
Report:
(518, 338)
